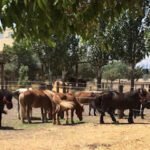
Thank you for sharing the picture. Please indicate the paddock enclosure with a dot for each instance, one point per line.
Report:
(85, 135)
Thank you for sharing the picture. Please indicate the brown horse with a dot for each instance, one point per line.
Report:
(16, 96)
(87, 98)
(78, 108)
(34, 99)
(59, 105)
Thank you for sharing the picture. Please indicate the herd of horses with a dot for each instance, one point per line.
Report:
(53, 105)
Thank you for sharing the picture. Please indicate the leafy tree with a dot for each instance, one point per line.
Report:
(41, 18)
(128, 44)
(23, 75)
(98, 51)
(115, 70)
(21, 54)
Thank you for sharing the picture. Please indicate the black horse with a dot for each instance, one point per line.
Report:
(112, 100)
(5, 99)
(145, 104)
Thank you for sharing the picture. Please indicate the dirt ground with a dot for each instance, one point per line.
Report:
(85, 135)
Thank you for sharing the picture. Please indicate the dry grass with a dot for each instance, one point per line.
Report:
(87, 135)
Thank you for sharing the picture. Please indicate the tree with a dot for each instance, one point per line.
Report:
(115, 70)
(21, 54)
(42, 18)
(23, 76)
(128, 44)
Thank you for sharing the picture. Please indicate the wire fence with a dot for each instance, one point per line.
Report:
(64, 87)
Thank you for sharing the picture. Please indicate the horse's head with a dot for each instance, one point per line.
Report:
(79, 111)
(142, 95)
(7, 99)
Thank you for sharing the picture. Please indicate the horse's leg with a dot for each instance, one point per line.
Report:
(130, 118)
(89, 109)
(28, 114)
(0, 119)
(72, 114)
(22, 112)
(102, 117)
(120, 113)
(45, 114)
(67, 117)
(94, 111)
(54, 118)
(110, 112)
(142, 112)
(58, 120)
(50, 114)
(19, 111)
(42, 114)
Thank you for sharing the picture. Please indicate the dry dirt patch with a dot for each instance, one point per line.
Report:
(88, 135)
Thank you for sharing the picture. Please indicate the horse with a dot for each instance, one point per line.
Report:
(78, 108)
(16, 96)
(5, 99)
(111, 100)
(34, 99)
(64, 103)
(87, 98)
(145, 104)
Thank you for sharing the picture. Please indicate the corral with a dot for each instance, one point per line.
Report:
(86, 135)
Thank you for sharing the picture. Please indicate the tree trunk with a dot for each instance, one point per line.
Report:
(99, 78)
(76, 72)
(132, 77)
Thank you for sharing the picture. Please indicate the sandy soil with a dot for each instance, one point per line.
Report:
(86, 135)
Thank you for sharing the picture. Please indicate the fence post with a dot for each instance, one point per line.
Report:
(64, 87)
(57, 87)
(120, 88)
(149, 88)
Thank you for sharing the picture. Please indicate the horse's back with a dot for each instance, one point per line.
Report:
(35, 98)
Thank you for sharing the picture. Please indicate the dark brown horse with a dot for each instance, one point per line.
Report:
(145, 104)
(34, 99)
(59, 105)
(111, 100)
(5, 99)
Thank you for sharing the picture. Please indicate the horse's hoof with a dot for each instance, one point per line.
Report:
(115, 122)
(58, 123)
(102, 122)
(130, 121)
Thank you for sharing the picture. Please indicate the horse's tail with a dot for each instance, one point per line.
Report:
(22, 106)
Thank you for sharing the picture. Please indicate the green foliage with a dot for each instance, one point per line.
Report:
(41, 18)
(20, 54)
(138, 73)
(23, 76)
(116, 70)
(127, 43)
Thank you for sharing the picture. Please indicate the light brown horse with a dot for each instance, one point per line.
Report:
(34, 99)
(16, 96)
(59, 105)
(78, 108)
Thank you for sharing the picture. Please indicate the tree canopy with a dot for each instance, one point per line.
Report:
(41, 18)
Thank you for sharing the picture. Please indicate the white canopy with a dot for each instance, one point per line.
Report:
(145, 63)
